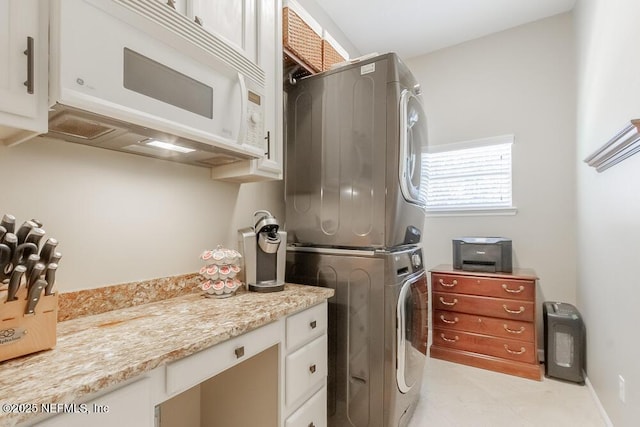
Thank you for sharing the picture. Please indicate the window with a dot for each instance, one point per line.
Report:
(472, 177)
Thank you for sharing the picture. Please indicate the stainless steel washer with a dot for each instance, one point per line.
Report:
(377, 330)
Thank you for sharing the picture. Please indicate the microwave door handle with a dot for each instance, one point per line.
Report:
(244, 95)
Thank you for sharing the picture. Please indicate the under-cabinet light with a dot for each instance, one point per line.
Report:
(169, 146)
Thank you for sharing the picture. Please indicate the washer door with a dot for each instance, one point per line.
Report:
(412, 331)
(413, 143)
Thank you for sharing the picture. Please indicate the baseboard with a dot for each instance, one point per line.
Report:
(603, 413)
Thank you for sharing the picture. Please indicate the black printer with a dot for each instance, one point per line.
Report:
(490, 254)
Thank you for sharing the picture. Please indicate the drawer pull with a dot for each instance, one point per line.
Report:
(447, 285)
(520, 311)
(455, 301)
(451, 322)
(513, 291)
(454, 339)
(313, 324)
(513, 331)
(239, 352)
(312, 369)
(522, 350)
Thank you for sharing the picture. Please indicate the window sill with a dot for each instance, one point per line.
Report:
(472, 212)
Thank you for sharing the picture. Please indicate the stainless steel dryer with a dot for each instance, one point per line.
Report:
(355, 138)
(377, 331)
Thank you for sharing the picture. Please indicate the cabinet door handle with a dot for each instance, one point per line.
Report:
(454, 339)
(311, 424)
(172, 3)
(268, 138)
(447, 285)
(455, 301)
(312, 369)
(239, 352)
(313, 324)
(513, 291)
(451, 322)
(198, 20)
(521, 351)
(29, 52)
(519, 311)
(513, 331)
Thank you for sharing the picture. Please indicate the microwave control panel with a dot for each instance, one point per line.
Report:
(255, 120)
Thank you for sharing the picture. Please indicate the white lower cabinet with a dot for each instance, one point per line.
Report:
(129, 405)
(313, 413)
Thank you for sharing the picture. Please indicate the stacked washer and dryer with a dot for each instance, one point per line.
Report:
(355, 207)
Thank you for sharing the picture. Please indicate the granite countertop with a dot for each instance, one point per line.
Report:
(95, 352)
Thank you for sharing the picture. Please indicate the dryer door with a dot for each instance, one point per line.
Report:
(412, 331)
(413, 144)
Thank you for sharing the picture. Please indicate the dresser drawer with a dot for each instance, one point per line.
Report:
(505, 328)
(486, 306)
(305, 368)
(312, 413)
(493, 346)
(306, 325)
(485, 286)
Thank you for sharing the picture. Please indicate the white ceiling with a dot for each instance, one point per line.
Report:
(415, 27)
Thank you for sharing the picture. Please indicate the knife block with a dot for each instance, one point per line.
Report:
(21, 333)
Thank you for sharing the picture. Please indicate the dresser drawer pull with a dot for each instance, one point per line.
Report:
(455, 301)
(520, 311)
(312, 369)
(513, 331)
(454, 339)
(239, 352)
(447, 285)
(522, 350)
(313, 324)
(451, 322)
(513, 291)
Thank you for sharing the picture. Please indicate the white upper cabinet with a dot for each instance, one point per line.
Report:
(24, 45)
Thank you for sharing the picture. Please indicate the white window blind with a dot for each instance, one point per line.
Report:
(475, 175)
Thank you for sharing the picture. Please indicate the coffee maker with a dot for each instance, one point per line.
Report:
(264, 250)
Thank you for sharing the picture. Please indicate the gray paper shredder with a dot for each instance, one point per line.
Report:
(564, 342)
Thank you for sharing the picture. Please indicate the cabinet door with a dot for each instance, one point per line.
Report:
(129, 406)
(234, 20)
(23, 67)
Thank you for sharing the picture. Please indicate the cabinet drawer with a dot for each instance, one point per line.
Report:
(312, 413)
(505, 328)
(494, 307)
(304, 326)
(305, 368)
(485, 286)
(192, 370)
(484, 344)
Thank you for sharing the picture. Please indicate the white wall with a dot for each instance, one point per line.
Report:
(121, 217)
(609, 202)
(522, 82)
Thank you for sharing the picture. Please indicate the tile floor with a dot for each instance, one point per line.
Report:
(455, 395)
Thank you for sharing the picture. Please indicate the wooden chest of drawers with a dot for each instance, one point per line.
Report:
(486, 320)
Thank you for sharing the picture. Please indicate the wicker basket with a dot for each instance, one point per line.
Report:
(330, 55)
(301, 40)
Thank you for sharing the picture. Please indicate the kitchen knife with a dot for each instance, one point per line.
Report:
(31, 262)
(9, 222)
(3, 231)
(48, 250)
(10, 240)
(24, 229)
(5, 257)
(14, 282)
(38, 223)
(35, 236)
(22, 253)
(33, 297)
(55, 258)
(35, 274)
(50, 278)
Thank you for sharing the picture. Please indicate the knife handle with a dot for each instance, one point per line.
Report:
(14, 282)
(10, 240)
(35, 274)
(9, 223)
(33, 297)
(3, 231)
(48, 249)
(24, 230)
(35, 236)
(55, 258)
(50, 278)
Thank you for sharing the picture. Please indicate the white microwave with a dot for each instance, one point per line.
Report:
(139, 77)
